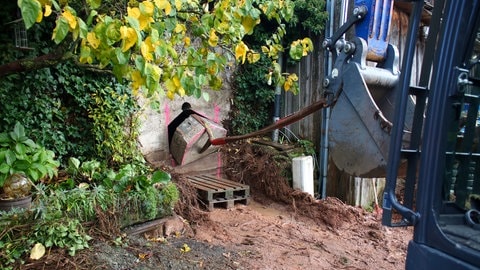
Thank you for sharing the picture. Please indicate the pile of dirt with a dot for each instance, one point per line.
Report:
(263, 168)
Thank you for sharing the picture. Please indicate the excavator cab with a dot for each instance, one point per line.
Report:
(426, 134)
(441, 197)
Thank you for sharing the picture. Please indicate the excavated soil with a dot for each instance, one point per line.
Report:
(280, 228)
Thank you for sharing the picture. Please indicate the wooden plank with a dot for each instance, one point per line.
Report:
(145, 227)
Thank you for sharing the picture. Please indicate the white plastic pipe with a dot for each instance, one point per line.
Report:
(302, 168)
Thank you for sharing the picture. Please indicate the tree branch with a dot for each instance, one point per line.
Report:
(30, 64)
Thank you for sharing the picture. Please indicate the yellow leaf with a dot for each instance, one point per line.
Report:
(143, 256)
(291, 79)
(187, 41)
(241, 52)
(185, 248)
(48, 10)
(85, 56)
(307, 45)
(253, 57)
(178, 4)
(144, 21)
(176, 82)
(165, 5)
(249, 23)
(223, 27)
(181, 91)
(72, 21)
(171, 95)
(93, 40)
(180, 28)
(133, 12)
(213, 39)
(146, 48)
(129, 37)
(147, 7)
(170, 85)
(148, 42)
(37, 251)
(137, 81)
(39, 17)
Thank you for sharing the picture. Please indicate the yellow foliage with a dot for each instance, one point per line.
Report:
(145, 50)
(180, 28)
(148, 8)
(291, 79)
(241, 51)
(93, 40)
(181, 92)
(213, 39)
(48, 10)
(129, 37)
(133, 12)
(39, 17)
(178, 4)
(176, 82)
(307, 45)
(71, 19)
(137, 81)
(85, 56)
(170, 95)
(253, 57)
(185, 248)
(165, 5)
(249, 23)
(144, 21)
(187, 41)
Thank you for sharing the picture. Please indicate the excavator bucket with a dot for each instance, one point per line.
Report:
(360, 121)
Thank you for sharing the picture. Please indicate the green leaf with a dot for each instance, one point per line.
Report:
(160, 177)
(122, 57)
(33, 174)
(61, 30)
(83, 28)
(73, 163)
(94, 4)
(4, 138)
(206, 96)
(4, 168)
(20, 148)
(18, 132)
(112, 32)
(10, 157)
(30, 143)
(30, 10)
(296, 51)
(92, 14)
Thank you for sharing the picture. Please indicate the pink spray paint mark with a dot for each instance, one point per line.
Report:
(216, 110)
(166, 109)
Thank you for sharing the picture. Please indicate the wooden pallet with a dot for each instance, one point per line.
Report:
(214, 191)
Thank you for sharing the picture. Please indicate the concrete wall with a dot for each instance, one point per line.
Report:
(153, 137)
